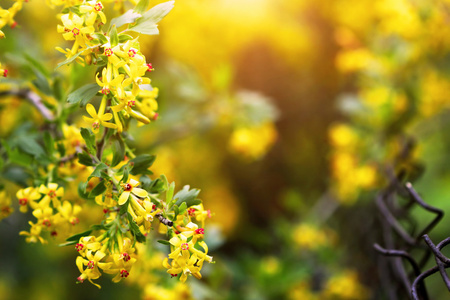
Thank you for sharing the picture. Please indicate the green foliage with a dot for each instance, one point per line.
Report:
(129, 17)
(85, 159)
(141, 164)
(147, 24)
(89, 138)
(83, 94)
(188, 196)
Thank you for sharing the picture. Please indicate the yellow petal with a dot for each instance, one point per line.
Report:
(140, 192)
(107, 117)
(91, 110)
(124, 198)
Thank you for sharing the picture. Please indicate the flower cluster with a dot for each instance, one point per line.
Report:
(122, 79)
(186, 259)
(76, 168)
(52, 215)
(7, 15)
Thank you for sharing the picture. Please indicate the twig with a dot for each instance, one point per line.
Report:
(34, 98)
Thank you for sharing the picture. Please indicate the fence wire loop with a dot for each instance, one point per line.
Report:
(401, 237)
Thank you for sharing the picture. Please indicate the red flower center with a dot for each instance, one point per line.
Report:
(200, 231)
(79, 247)
(131, 53)
(184, 246)
(126, 256)
(98, 6)
(90, 264)
(108, 52)
(124, 273)
(23, 201)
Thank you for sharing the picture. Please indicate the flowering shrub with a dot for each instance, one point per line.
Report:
(66, 173)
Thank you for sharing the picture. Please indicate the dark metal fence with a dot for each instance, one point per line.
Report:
(407, 248)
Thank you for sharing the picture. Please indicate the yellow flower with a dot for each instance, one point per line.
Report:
(5, 205)
(129, 53)
(97, 119)
(107, 82)
(87, 243)
(70, 212)
(123, 261)
(73, 141)
(74, 29)
(92, 263)
(27, 197)
(34, 235)
(51, 192)
(253, 142)
(130, 188)
(186, 265)
(95, 8)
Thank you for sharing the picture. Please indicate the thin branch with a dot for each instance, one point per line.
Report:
(34, 98)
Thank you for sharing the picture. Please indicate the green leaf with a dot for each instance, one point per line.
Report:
(127, 18)
(182, 208)
(126, 173)
(147, 24)
(141, 7)
(82, 190)
(124, 37)
(76, 237)
(169, 195)
(98, 171)
(37, 65)
(30, 146)
(102, 39)
(100, 227)
(141, 164)
(156, 186)
(72, 58)
(18, 157)
(165, 181)
(89, 138)
(164, 242)
(113, 36)
(145, 181)
(176, 211)
(119, 152)
(57, 87)
(49, 143)
(61, 149)
(67, 244)
(135, 230)
(17, 175)
(188, 196)
(83, 94)
(98, 190)
(85, 159)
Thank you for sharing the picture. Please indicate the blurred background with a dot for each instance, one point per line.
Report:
(285, 114)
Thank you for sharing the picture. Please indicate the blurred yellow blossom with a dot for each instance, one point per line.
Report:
(5, 205)
(309, 237)
(345, 286)
(253, 142)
